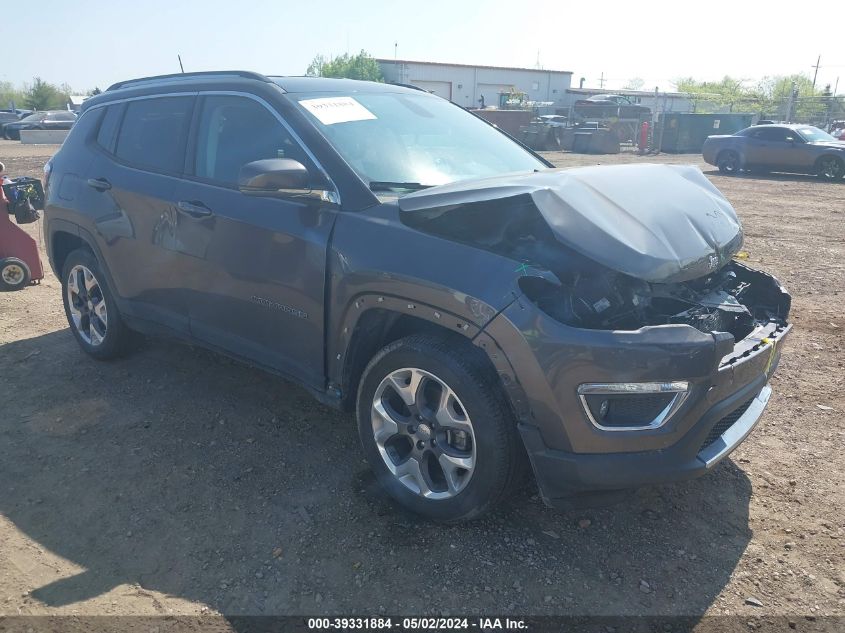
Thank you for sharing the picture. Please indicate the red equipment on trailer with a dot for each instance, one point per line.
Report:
(20, 264)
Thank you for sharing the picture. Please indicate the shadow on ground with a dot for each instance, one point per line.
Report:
(181, 472)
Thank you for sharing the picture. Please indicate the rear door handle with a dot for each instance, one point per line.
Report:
(194, 208)
(100, 184)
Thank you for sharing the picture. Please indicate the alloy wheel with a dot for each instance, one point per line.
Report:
(423, 433)
(87, 305)
(831, 168)
(13, 274)
(730, 163)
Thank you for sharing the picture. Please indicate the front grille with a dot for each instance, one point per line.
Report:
(724, 424)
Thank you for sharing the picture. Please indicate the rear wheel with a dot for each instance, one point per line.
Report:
(14, 274)
(728, 162)
(91, 309)
(830, 168)
(436, 429)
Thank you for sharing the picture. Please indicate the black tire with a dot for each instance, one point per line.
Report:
(729, 162)
(14, 274)
(830, 168)
(118, 339)
(500, 464)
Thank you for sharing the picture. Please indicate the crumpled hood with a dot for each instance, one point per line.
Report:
(659, 223)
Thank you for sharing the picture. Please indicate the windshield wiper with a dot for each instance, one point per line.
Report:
(385, 185)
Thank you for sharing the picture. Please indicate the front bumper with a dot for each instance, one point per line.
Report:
(560, 475)
(727, 394)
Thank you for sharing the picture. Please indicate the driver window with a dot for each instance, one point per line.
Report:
(778, 134)
(234, 131)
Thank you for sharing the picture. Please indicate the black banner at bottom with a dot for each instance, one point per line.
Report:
(411, 624)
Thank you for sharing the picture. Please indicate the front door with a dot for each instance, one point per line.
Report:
(775, 148)
(258, 284)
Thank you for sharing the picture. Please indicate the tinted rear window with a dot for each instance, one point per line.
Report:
(63, 116)
(108, 128)
(153, 133)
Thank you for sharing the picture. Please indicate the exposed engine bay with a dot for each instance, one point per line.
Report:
(583, 293)
(734, 299)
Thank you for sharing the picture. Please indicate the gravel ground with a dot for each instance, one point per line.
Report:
(179, 482)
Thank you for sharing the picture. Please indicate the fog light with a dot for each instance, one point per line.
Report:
(632, 406)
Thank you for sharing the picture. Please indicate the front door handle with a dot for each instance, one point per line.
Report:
(193, 208)
(100, 184)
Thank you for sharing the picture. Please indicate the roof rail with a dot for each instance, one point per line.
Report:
(246, 74)
(411, 86)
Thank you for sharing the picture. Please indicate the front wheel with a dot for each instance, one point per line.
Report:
(436, 430)
(91, 309)
(830, 168)
(728, 163)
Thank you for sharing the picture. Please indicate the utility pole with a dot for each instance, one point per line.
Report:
(816, 74)
(601, 80)
(791, 103)
(395, 49)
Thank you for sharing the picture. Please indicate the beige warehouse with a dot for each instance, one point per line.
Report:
(466, 85)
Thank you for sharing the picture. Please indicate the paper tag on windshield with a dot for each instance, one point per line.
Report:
(331, 110)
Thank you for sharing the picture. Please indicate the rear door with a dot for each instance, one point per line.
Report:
(258, 277)
(135, 176)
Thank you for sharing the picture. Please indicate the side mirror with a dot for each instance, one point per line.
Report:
(273, 177)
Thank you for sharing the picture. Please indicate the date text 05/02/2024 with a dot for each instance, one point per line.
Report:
(416, 624)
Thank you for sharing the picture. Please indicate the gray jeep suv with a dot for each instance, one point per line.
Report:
(478, 310)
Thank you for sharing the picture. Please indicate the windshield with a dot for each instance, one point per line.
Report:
(38, 116)
(811, 134)
(418, 140)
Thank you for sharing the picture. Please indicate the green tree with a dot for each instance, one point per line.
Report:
(768, 98)
(9, 94)
(810, 105)
(42, 95)
(360, 66)
(636, 83)
(729, 92)
(315, 68)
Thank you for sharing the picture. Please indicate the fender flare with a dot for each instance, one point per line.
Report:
(59, 225)
(340, 356)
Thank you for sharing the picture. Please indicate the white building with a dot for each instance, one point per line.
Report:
(74, 102)
(466, 85)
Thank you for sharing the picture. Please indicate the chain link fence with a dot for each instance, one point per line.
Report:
(820, 111)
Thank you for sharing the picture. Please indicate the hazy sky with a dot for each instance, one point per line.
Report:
(89, 43)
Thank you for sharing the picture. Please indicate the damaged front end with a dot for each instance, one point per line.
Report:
(638, 349)
(612, 248)
(734, 299)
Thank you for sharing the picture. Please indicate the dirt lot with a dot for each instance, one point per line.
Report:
(179, 482)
